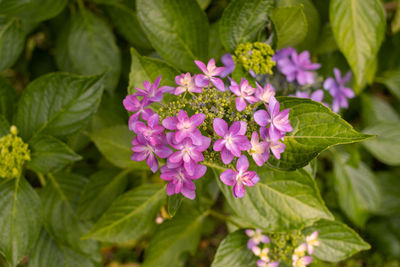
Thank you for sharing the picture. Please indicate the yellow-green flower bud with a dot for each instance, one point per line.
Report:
(256, 57)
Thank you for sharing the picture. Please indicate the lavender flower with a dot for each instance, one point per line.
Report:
(240, 178)
(256, 237)
(337, 89)
(317, 96)
(229, 64)
(276, 147)
(283, 53)
(143, 150)
(259, 150)
(185, 126)
(186, 83)
(152, 132)
(312, 241)
(264, 94)
(244, 92)
(261, 263)
(279, 121)
(188, 152)
(298, 67)
(210, 73)
(233, 140)
(151, 91)
(179, 181)
(133, 104)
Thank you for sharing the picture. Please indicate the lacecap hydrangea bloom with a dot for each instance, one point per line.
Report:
(212, 122)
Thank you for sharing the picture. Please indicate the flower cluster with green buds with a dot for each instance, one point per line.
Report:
(255, 57)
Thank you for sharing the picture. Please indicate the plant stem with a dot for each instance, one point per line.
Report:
(223, 217)
(42, 180)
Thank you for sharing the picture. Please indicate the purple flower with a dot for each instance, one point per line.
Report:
(152, 132)
(337, 89)
(301, 261)
(229, 64)
(210, 73)
(186, 83)
(240, 178)
(179, 181)
(185, 126)
(143, 150)
(133, 104)
(283, 53)
(261, 263)
(276, 147)
(298, 67)
(244, 92)
(279, 121)
(259, 150)
(151, 91)
(317, 96)
(233, 140)
(188, 152)
(312, 241)
(256, 237)
(264, 94)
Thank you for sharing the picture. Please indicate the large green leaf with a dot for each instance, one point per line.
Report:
(4, 126)
(233, 251)
(60, 199)
(280, 201)
(359, 28)
(337, 241)
(386, 146)
(242, 20)
(87, 46)
(33, 10)
(48, 252)
(376, 110)
(391, 79)
(8, 98)
(357, 189)
(12, 38)
(48, 154)
(315, 128)
(389, 186)
(115, 145)
(148, 69)
(130, 216)
(19, 219)
(58, 104)
(177, 29)
(101, 190)
(290, 25)
(173, 239)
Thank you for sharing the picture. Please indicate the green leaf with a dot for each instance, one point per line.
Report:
(48, 252)
(127, 24)
(386, 146)
(4, 126)
(233, 251)
(87, 46)
(103, 187)
(290, 25)
(130, 216)
(376, 110)
(359, 29)
(396, 19)
(391, 79)
(58, 104)
(215, 47)
(8, 98)
(12, 38)
(148, 69)
(389, 186)
(115, 145)
(337, 241)
(174, 238)
(48, 154)
(385, 232)
(173, 203)
(60, 199)
(357, 189)
(280, 201)
(326, 42)
(19, 219)
(178, 30)
(34, 10)
(242, 20)
(315, 128)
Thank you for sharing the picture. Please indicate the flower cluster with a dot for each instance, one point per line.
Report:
(261, 244)
(13, 153)
(255, 57)
(212, 121)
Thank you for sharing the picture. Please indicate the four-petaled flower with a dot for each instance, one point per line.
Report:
(338, 90)
(133, 104)
(256, 237)
(298, 67)
(276, 147)
(185, 126)
(301, 261)
(210, 72)
(240, 178)
(233, 140)
(229, 65)
(259, 150)
(151, 91)
(279, 121)
(186, 84)
(152, 132)
(261, 253)
(264, 94)
(244, 92)
(179, 181)
(312, 242)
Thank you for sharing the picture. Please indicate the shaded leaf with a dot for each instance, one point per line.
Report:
(34, 10)
(8, 98)
(12, 38)
(377, 110)
(389, 186)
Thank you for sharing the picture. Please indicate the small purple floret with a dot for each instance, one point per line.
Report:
(244, 92)
(210, 75)
(264, 94)
(186, 83)
(133, 104)
(229, 64)
(338, 90)
(151, 91)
